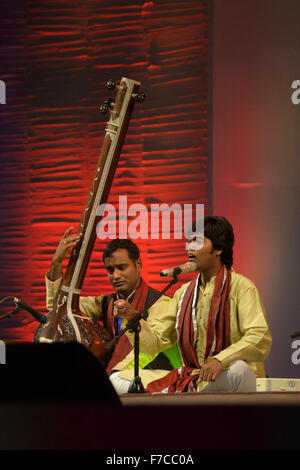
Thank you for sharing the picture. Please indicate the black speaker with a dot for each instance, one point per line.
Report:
(40, 372)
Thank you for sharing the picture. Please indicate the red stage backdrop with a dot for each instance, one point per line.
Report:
(56, 57)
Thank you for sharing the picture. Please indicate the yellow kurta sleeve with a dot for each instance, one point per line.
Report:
(153, 338)
(158, 332)
(52, 290)
(250, 336)
(89, 306)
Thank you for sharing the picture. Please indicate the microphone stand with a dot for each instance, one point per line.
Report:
(11, 313)
(133, 326)
(136, 385)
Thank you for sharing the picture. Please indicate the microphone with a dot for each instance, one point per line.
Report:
(188, 267)
(40, 317)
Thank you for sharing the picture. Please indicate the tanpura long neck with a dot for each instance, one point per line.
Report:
(106, 167)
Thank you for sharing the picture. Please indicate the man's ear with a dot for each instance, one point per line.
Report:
(218, 252)
(138, 264)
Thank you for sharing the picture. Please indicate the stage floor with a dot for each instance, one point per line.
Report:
(212, 399)
(196, 421)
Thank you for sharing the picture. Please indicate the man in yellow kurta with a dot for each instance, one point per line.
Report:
(123, 265)
(218, 320)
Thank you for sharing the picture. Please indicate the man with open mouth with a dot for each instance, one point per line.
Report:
(218, 320)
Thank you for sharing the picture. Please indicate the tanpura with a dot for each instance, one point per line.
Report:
(65, 322)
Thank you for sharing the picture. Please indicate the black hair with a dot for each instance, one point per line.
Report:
(132, 250)
(220, 232)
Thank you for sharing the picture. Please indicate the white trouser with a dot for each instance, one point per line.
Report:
(239, 377)
(120, 385)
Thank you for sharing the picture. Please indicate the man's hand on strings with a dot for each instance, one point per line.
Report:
(67, 242)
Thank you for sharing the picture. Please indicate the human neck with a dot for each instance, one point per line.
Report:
(211, 272)
(125, 295)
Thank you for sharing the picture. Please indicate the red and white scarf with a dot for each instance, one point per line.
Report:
(123, 346)
(217, 334)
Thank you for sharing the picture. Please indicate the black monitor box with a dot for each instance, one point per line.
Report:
(40, 372)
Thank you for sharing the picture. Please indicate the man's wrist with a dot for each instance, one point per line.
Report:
(55, 271)
(220, 362)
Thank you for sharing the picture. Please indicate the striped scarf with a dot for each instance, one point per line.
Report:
(123, 346)
(217, 334)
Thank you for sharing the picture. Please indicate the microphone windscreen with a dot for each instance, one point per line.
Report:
(188, 267)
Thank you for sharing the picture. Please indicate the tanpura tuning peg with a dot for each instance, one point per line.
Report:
(109, 102)
(139, 97)
(111, 84)
(104, 109)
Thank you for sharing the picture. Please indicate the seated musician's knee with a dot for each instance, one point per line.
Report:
(120, 385)
(243, 375)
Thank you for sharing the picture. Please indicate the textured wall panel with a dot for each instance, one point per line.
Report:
(56, 57)
(256, 169)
